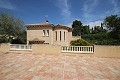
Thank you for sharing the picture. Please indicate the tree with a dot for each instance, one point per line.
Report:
(86, 29)
(98, 30)
(10, 27)
(113, 24)
(77, 28)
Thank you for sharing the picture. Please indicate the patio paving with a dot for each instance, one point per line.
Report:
(20, 66)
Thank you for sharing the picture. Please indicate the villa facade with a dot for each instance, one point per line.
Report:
(46, 33)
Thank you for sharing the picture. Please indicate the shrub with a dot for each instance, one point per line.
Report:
(80, 42)
(3, 39)
(101, 39)
(17, 41)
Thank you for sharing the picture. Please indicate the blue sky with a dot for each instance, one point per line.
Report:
(90, 12)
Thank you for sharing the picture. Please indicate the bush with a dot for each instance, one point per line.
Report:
(80, 42)
(95, 36)
(3, 39)
(101, 39)
(17, 41)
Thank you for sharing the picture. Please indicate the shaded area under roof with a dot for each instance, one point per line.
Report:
(36, 41)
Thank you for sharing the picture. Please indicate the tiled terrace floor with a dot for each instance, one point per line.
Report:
(15, 66)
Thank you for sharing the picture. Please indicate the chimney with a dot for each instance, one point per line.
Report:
(46, 21)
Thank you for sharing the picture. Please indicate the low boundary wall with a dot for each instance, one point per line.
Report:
(4, 47)
(46, 49)
(99, 50)
(107, 51)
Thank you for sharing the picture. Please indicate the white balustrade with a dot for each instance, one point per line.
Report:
(78, 49)
(20, 47)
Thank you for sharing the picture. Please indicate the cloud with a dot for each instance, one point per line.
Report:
(115, 7)
(64, 7)
(6, 4)
(89, 7)
(114, 3)
(92, 24)
(69, 25)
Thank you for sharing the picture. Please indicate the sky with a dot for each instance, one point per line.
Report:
(89, 12)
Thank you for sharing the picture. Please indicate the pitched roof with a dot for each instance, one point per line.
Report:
(46, 24)
(39, 25)
(62, 26)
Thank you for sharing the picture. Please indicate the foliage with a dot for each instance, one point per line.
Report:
(113, 24)
(86, 30)
(98, 29)
(80, 42)
(17, 41)
(101, 39)
(101, 36)
(3, 39)
(77, 28)
(10, 28)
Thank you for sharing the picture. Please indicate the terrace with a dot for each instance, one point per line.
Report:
(30, 66)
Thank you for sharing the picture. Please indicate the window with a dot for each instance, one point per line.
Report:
(56, 35)
(60, 35)
(64, 35)
(43, 32)
(47, 33)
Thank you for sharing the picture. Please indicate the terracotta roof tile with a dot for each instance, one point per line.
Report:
(39, 25)
(48, 25)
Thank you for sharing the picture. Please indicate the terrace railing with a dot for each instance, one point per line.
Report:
(20, 47)
(78, 49)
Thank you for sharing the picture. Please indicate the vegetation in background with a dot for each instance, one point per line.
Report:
(98, 30)
(113, 24)
(11, 29)
(80, 42)
(79, 29)
(106, 34)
